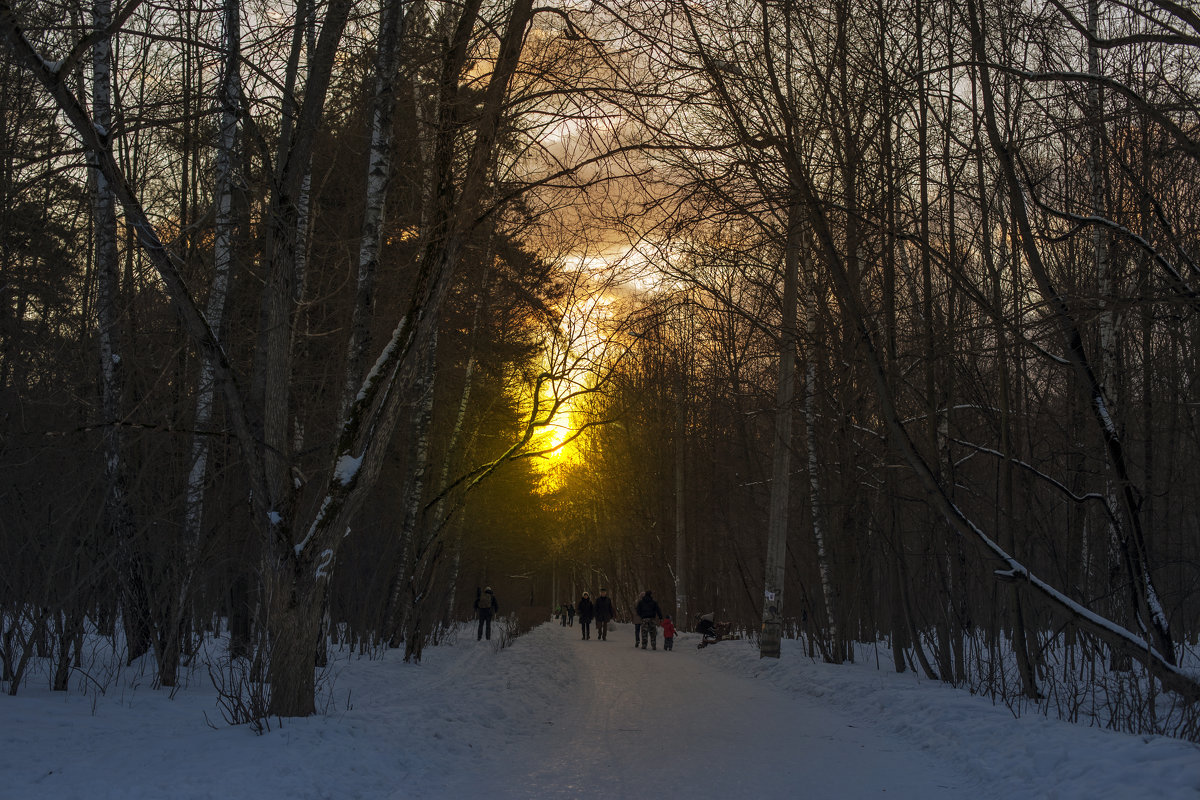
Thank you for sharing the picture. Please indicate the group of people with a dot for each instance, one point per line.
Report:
(648, 617)
(600, 611)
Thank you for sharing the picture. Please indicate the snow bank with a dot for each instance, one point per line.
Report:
(1032, 756)
(395, 730)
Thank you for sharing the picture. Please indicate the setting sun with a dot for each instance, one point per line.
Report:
(553, 442)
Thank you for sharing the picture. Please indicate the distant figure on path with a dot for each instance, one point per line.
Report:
(586, 611)
(571, 614)
(668, 632)
(604, 614)
(563, 616)
(486, 606)
(649, 613)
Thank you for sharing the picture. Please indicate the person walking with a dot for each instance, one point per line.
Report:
(571, 615)
(668, 632)
(486, 607)
(604, 614)
(649, 613)
(587, 610)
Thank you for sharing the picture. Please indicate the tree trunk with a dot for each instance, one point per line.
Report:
(118, 515)
(835, 652)
(295, 600)
(777, 521)
(225, 226)
(416, 532)
(681, 570)
(1006, 519)
(379, 173)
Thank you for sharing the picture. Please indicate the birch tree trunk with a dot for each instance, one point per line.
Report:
(438, 516)
(681, 569)
(1106, 361)
(894, 535)
(777, 520)
(413, 530)
(117, 513)
(436, 129)
(379, 166)
(1016, 616)
(303, 570)
(933, 407)
(379, 173)
(223, 237)
(834, 653)
(452, 445)
(377, 180)
(1103, 266)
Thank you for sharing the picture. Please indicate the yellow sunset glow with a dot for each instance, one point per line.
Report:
(551, 441)
(588, 333)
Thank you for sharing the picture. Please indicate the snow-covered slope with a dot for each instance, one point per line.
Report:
(553, 716)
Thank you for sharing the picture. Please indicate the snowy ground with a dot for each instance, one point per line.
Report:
(556, 717)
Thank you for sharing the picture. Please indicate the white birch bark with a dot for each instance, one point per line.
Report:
(1106, 362)
(118, 516)
(223, 236)
(777, 520)
(834, 653)
(681, 598)
(438, 511)
(464, 402)
(446, 209)
(105, 236)
(224, 228)
(379, 173)
(426, 105)
(1103, 265)
(410, 541)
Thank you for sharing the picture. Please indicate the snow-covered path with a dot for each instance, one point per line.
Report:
(555, 717)
(653, 724)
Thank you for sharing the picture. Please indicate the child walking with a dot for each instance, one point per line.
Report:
(668, 632)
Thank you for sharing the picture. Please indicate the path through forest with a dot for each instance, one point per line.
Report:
(652, 724)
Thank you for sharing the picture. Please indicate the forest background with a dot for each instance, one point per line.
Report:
(315, 317)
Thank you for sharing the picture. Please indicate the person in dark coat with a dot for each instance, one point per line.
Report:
(486, 607)
(586, 610)
(604, 614)
(571, 615)
(649, 613)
